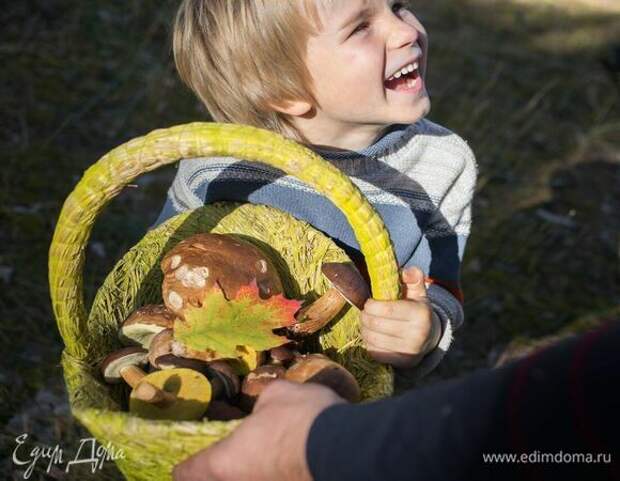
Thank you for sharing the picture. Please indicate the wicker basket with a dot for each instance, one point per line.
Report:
(152, 448)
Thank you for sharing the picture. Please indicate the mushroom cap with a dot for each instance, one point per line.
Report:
(170, 361)
(191, 389)
(322, 370)
(206, 261)
(161, 344)
(147, 321)
(282, 355)
(345, 277)
(256, 381)
(223, 379)
(128, 356)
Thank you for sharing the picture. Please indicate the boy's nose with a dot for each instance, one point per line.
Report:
(403, 33)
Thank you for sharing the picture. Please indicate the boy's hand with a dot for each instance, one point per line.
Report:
(401, 332)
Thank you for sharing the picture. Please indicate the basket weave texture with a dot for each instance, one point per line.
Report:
(152, 448)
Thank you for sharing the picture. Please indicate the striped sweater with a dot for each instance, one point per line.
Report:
(419, 177)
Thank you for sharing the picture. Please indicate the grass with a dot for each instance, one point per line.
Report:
(524, 82)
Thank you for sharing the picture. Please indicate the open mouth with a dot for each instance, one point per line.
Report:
(404, 79)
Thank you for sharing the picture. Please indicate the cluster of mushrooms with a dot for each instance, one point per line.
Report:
(185, 383)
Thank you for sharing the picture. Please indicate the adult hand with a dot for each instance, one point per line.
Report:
(268, 445)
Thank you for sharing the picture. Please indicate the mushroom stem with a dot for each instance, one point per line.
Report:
(143, 390)
(315, 316)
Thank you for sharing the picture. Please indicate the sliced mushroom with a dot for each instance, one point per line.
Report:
(255, 382)
(347, 285)
(144, 323)
(124, 365)
(208, 261)
(322, 370)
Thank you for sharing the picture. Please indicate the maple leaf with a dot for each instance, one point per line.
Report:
(223, 328)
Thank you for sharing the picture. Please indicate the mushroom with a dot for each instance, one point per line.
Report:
(170, 361)
(124, 364)
(208, 261)
(255, 382)
(282, 355)
(161, 344)
(347, 285)
(140, 327)
(190, 390)
(224, 380)
(322, 370)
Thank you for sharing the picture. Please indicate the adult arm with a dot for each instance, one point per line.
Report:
(560, 400)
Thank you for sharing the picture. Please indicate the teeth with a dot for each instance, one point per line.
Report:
(404, 71)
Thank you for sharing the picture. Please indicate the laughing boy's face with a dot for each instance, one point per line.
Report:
(367, 63)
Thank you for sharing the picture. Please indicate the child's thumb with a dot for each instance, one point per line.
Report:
(413, 278)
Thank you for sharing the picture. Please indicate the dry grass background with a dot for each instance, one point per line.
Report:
(530, 84)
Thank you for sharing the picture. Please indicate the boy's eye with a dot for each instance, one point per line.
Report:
(361, 27)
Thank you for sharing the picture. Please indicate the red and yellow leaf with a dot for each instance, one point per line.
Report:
(223, 327)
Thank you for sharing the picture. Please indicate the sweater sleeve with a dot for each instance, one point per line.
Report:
(440, 252)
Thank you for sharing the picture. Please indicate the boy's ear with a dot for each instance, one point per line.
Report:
(295, 108)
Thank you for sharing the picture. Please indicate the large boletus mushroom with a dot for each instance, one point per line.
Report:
(322, 370)
(347, 285)
(208, 261)
(147, 321)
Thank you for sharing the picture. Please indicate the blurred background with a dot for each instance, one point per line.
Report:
(534, 86)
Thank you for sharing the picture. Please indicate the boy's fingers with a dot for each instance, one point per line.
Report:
(391, 327)
(415, 289)
(386, 342)
(400, 310)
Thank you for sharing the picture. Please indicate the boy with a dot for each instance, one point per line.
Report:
(345, 78)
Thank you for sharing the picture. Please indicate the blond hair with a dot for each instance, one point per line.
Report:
(241, 57)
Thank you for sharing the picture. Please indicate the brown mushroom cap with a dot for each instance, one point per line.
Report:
(161, 344)
(206, 261)
(256, 381)
(147, 321)
(225, 382)
(170, 361)
(113, 363)
(322, 370)
(283, 355)
(348, 281)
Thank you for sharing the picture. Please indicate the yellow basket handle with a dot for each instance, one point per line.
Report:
(119, 167)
